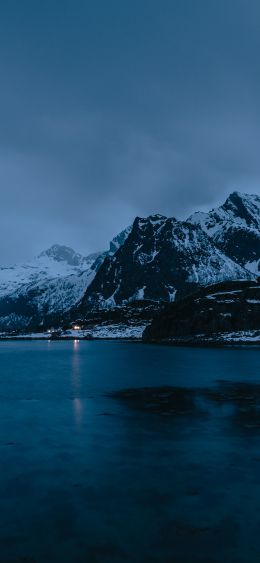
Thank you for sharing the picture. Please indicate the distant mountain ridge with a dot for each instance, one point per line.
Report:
(51, 284)
(157, 259)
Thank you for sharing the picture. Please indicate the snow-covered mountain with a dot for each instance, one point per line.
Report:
(56, 262)
(156, 259)
(54, 281)
(159, 258)
(235, 228)
(49, 285)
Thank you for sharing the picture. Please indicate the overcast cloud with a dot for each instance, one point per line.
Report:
(115, 109)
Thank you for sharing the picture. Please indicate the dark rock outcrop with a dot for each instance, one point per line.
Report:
(220, 308)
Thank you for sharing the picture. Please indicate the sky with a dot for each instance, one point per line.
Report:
(113, 109)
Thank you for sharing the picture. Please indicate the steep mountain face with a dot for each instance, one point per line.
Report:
(235, 228)
(118, 240)
(228, 307)
(159, 258)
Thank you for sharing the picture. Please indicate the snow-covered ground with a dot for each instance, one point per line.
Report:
(247, 336)
(135, 332)
(239, 337)
(112, 331)
(108, 331)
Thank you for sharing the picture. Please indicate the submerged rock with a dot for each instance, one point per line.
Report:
(242, 397)
(161, 400)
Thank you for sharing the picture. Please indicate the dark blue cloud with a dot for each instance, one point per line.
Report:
(111, 109)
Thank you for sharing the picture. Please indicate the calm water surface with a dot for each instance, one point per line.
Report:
(84, 478)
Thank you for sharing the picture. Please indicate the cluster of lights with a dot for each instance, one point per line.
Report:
(75, 327)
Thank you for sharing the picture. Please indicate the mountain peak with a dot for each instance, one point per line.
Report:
(245, 207)
(152, 220)
(156, 217)
(61, 253)
(235, 228)
(237, 196)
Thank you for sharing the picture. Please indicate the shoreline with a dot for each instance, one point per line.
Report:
(205, 344)
(175, 343)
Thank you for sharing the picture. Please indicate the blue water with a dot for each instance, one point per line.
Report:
(84, 478)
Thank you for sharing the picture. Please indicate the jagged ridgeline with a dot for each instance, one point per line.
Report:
(157, 259)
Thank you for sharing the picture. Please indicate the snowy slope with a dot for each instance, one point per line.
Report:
(53, 282)
(50, 284)
(56, 262)
(235, 228)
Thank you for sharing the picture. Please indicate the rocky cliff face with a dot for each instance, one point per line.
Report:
(160, 258)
